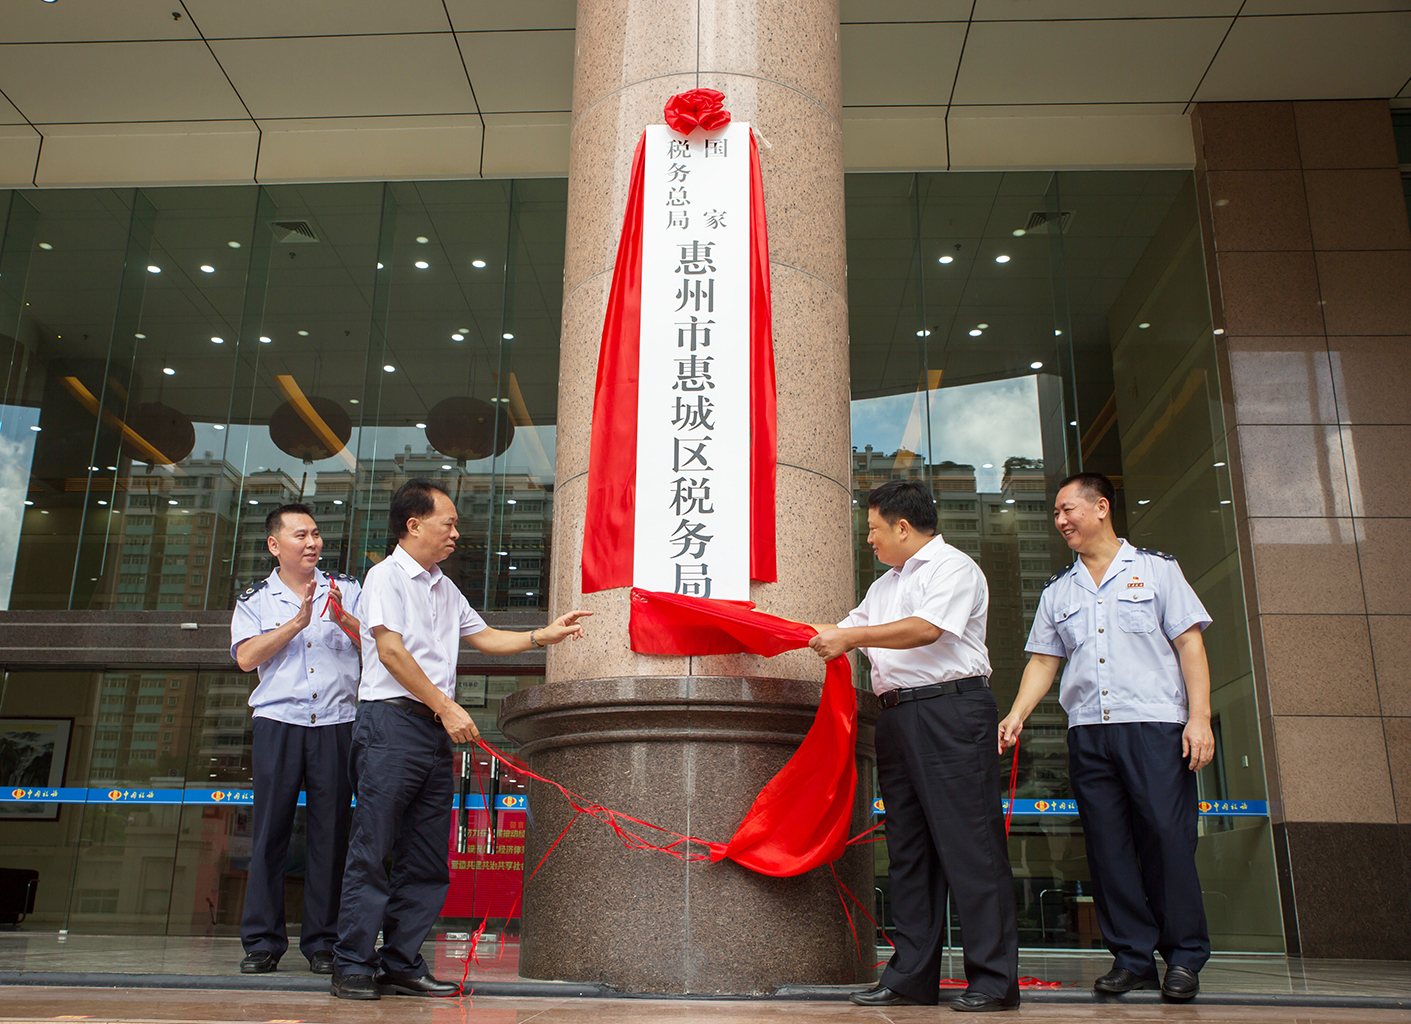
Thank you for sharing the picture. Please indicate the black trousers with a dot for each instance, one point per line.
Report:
(287, 758)
(1137, 801)
(939, 772)
(402, 773)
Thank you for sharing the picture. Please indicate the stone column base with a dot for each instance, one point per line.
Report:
(689, 754)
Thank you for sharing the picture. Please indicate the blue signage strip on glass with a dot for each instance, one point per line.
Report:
(190, 797)
(1069, 808)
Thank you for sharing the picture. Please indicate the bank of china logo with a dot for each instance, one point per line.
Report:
(17, 793)
(1041, 805)
(114, 794)
(1205, 806)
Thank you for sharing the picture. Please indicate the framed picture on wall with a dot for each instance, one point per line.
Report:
(33, 754)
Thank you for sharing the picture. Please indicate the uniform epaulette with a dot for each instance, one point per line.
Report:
(344, 576)
(1057, 576)
(252, 591)
(1158, 554)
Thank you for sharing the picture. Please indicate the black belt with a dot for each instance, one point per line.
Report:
(416, 707)
(892, 698)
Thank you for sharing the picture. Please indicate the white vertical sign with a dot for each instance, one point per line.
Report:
(693, 406)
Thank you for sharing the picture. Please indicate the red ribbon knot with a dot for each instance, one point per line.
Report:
(703, 108)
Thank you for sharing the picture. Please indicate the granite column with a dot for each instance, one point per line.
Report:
(688, 742)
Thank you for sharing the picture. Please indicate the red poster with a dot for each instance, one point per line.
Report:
(483, 884)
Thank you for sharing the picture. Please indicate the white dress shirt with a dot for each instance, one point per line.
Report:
(313, 679)
(944, 586)
(427, 610)
(1117, 638)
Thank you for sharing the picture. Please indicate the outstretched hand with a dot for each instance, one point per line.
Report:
(563, 627)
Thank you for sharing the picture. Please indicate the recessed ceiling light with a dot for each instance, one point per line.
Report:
(101, 501)
(140, 336)
(983, 327)
(217, 341)
(923, 334)
(303, 334)
(445, 465)
(28, 502)
(233, 245)
(422, 264)
(1036, 365)
(154, 269)
(511, 501)
(253, 501)
(1218, 465)
(389, 368)
(44, 511)
(529, 593)
(976, 332)
(1219, 330)
(217, 426)
(113, 468)
(45, 245)
(1143, 326)
(1072, 423)
(1001, 259)
(458, 336)
(946, 259)
(337, 501)
(502, 553)
(93, 469)
(352, 401)
(168, 371)
(422, 239)
(988, 465)
(1056, 332)
(36, 428)
(513, 568)
(171, 501)
(508, 337)
(421, 426)
(1144, 501)
(1019, 232)
(265, 339)
(1226, 501)
(478, 264)
(1009, 501)
(206, 268)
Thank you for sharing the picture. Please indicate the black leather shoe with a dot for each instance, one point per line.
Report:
(881, 996)
(354, 986)
(1119, 980)
(1181, 983)
(426, 985)
(978, 1002)
(321, 962)
(261, 961)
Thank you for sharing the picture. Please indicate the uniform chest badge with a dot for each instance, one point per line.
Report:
(1135, 584)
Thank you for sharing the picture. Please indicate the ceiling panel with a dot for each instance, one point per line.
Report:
(8, 113)
(497, 61)
(1327, 57)
(348, 75)
(1254, 8)
(900, 65)
(253, 18)
(94, 82)
(1142, 61)
(868, 11)
(25, 21)
(1066, 10)
(491, 15)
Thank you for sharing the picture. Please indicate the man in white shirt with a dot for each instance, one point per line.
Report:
(922, 626)
(413, 619)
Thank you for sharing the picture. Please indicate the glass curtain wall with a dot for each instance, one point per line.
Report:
(1008, 329)
(177, 363)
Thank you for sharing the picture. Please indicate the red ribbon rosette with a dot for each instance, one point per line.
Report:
(703, 108)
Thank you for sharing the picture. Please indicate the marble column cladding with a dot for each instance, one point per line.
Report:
(687, 753)
(689, 742)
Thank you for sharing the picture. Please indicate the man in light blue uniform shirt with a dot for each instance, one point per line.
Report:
(296, 628)
(1137, 693)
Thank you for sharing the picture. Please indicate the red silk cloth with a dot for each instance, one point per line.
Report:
(610, 528)
(801, 818)
(696, 108)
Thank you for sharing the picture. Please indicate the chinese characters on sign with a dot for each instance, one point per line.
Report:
(693, 412)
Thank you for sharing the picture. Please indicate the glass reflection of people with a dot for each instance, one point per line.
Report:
(296, 629)
(413, 620)
(922, 626)
(1137, 694)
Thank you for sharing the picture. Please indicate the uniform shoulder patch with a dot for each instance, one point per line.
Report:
(1156, 554)
(1057, 576)
(253, 591)
(344, 576)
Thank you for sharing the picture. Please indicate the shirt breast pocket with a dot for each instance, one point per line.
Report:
(1072, 626)
(1136, 611)
(334, 638)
